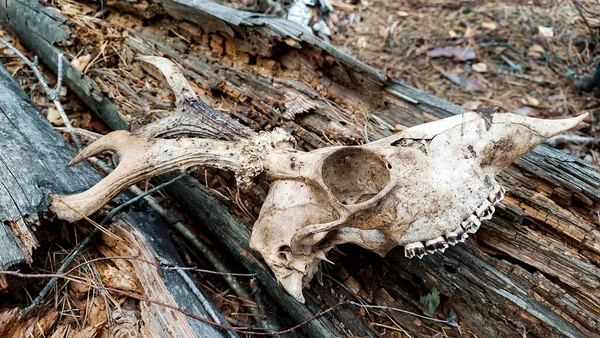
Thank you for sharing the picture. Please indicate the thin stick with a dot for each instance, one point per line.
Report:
(565, 139)
(84, 243)
(54, 95)
(163, 266)
(80, 131)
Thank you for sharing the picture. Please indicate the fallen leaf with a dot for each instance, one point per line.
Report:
(456, 53)
(383, 32)
(15, 67)
(470, 32)
(402, 13)
(547, 32)
(84, 120)
(54, 117)
(362, 42)
(480, 67)
(489, 25)
(471, 83)
(536, 51)
(81, 62)
(452, 34)
(471, 105)
(399, 127)
(532, 101)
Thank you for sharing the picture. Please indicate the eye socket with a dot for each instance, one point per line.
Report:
(355, 175)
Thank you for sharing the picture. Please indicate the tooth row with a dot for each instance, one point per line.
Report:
(431, 246)
(468, 226)
(484, 212)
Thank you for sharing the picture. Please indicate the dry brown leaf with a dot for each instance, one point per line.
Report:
(489, 25)
(471, 83)
(535, 51)
(546, 32)
(480, 67)
(470, 32)
(532, 101)
(399, 127)
(383, 32)
(54, 117)
(81, 62)
(456, 53)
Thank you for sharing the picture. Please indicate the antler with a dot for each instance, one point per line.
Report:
(142, 157)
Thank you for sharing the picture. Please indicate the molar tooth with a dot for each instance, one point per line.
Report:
(471, 224)
(452, 238)
(488, 213)
(436, 244)
(414, 249)
(483, 208)
(497, 195)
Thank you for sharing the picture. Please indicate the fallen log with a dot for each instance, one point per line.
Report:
(533, 268)
(33, 157)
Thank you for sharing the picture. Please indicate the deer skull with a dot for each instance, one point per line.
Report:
(425, 188)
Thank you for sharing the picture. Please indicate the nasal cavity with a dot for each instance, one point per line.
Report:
(355, 175)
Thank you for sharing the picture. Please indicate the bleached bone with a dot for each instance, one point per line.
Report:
(141, 158)
(425, 188)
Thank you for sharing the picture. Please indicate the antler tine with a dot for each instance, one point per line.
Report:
(116, 141)
(181, 88)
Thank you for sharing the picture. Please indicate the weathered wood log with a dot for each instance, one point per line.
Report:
(534, 267)
(33, 158)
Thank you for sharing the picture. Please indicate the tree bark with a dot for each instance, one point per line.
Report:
(33, 160)
(533, 267)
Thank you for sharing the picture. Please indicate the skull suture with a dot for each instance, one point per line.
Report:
(425, 188)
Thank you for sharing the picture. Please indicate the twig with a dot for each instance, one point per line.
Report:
(223, 326)
(54, 95)
(84, 243)
(163, 266)
(80, 131)
(564, 139)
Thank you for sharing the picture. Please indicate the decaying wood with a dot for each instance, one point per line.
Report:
(30, 158)
(533, 268)
(33, 158)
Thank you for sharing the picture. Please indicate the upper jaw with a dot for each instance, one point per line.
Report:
(468, 226)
